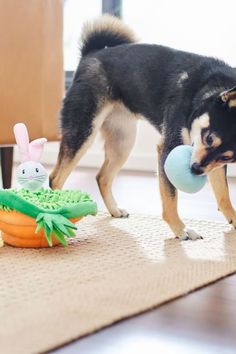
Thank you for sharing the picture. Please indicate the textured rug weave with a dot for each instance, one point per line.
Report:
(115, 269)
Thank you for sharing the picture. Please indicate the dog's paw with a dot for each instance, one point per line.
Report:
(189, 234)
(120, 213)
(232, 221)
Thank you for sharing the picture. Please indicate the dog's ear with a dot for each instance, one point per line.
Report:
(229, 97)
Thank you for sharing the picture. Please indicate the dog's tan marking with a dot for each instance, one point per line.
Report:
(218, 164)
(219, 185)
(65, 164)
(228, 153)
(119, 132)
(232, 103)
(160, 143)
(224, 96)
(216, 140)
(213, 166)
(229, 97)
(186, 136)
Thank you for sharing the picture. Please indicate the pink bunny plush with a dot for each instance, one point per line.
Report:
(30, 174)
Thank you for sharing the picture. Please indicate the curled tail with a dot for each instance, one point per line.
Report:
(107, 31)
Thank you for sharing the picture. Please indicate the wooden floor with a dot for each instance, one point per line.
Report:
(202, 322)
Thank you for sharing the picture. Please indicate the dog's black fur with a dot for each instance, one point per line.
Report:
(145, 79)
(168, 87)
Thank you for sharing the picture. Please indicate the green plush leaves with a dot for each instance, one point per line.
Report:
(50, 208)
(68, 203)
(55, 224)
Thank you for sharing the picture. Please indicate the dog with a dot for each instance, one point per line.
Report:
(188, 98)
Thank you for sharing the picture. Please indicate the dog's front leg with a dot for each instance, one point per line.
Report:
(169, 203)
(220, 188)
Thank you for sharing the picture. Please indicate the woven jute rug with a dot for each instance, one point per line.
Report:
(114, 269)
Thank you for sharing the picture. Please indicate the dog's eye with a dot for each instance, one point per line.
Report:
(209, 140)
(225, 158)
(23, 171)
(37, 170)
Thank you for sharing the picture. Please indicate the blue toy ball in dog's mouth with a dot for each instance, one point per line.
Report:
(178, 170)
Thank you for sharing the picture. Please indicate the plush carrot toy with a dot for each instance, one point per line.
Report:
(34, 216)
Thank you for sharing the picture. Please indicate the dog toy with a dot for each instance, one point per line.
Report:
(178, 170)
(34, 216)
(30, 173)
(42, 218)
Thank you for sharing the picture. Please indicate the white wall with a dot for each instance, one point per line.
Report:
(203, 26)
(76, 12)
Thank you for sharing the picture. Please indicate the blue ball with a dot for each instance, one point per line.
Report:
(178, 170)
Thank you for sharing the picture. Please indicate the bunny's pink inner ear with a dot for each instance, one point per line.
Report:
(36, 149)
(22, 140)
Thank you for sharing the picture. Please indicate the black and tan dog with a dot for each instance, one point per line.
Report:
(188, 98)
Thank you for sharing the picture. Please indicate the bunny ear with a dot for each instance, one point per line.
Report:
(36, 149)
(22, 140)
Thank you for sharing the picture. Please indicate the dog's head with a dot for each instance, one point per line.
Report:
(213, 134)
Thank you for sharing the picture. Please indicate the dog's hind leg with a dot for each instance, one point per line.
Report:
(82, 115)
(67, 161)
(119, 132)
(220, 188)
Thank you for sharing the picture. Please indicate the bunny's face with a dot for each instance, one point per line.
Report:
(31, 175)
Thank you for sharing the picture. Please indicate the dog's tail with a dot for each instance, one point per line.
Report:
(107, 31)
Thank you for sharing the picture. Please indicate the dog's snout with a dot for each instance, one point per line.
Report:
(196, 169)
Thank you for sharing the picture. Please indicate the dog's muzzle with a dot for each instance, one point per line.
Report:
(196, 169)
